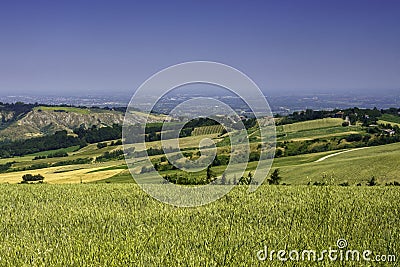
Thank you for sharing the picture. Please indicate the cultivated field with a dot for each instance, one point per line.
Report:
(119, 225)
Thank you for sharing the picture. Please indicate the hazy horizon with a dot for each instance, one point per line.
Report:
(75, 47)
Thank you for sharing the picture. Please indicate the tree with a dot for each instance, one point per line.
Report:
(372, 182)
(223, 179)
(234, 180)
(275, 178)
(32, 178)
(246, 180)
(209, 174)
(101, 145)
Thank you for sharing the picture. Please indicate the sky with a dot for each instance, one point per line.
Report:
(106, 47)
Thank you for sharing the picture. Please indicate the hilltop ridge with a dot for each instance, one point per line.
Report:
(21, 121)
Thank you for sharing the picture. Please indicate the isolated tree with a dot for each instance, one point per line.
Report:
(249, 178)
(223, 179)
(275, 178)
(234, 180)
(209, 174)
(372, 182)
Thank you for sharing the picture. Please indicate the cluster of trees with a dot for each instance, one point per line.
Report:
(113, 155)
(6, 167)
(99, 134)
(38, 144)
(181, 179)
(73, 162)
(373, 137)
(306, 115)
(113, 143)
(18, 109)
(210, 177)
(59, 140)
(366, 116)
(116, 143)
(32, 178)
(58, 154)
(55, 164)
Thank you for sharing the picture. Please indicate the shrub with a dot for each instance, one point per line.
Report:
(39, 157)
(32, 178)
(275, 178)
(101, 145)
(372, 182)
(59, 154)
(354, 138)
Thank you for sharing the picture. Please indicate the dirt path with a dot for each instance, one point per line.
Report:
(338, 153)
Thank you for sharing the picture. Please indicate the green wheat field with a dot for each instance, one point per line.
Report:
(119, 225)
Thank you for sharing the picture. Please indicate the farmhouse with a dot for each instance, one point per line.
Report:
(339, 115)
(389, 131)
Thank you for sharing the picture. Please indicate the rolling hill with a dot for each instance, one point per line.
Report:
(43, 120)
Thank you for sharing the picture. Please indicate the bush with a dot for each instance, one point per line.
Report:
(114, 155)
(59, 154)
(395, 183)
(101, 145)
(372, 182)
(32, 178)
(354, 138)
(39, 157)
(275, 178)
(6, 167)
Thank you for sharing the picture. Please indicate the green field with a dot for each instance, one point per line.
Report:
(213, 129)
(315, 124)
(119, 225)
(390, 118)
(310, 130)
(66, 109)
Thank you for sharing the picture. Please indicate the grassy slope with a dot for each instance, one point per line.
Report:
(116, 225)
(307, 125)
(119, 225)
(354, 167)
(390, 118)
(309, 130)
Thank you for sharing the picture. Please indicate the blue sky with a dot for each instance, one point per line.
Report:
(95, 47)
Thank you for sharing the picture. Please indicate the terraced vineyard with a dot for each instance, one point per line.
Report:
(205, 130)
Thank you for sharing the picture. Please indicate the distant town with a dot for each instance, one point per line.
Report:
(282, 104)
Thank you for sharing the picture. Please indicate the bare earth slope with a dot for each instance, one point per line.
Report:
(41, 122)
